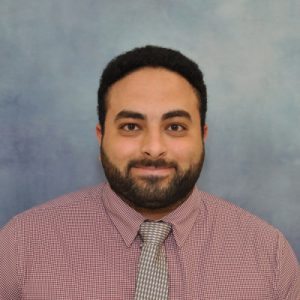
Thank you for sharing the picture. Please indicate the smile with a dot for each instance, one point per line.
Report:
(156, 171)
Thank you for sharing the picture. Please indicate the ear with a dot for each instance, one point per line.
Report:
(99, 133)
(205, 132)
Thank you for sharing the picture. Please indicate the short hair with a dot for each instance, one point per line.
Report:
(156, 57)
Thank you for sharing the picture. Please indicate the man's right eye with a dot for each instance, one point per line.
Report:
(129, 127)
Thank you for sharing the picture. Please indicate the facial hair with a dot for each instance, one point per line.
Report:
(151, 193)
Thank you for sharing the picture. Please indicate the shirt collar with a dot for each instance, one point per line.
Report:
(184, 217)
(128, 221)
(125, 218)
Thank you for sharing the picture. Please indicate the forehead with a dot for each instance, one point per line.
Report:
(152, 90)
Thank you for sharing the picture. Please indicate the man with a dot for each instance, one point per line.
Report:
(93, 244)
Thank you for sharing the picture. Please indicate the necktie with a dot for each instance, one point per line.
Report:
(152, 281)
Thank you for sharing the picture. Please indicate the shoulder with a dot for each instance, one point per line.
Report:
(70, 205)
(231, 212)
(255, 244)
(234, 222)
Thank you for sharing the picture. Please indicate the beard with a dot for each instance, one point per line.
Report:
(151, 193)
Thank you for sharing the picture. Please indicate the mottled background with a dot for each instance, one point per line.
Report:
(51, 56)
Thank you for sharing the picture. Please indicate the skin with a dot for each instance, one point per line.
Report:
(152, 113)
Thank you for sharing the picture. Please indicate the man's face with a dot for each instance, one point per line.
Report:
(152, 148)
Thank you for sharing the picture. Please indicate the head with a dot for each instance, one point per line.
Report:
(156, 57)
(152, 105)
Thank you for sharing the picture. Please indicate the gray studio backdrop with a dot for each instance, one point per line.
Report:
(51, 56)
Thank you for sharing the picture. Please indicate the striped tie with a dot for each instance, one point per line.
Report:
(152, 281)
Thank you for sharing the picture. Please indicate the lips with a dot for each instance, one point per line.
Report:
(146, 167)
(151, 170)
(149, 167)
(159, 163)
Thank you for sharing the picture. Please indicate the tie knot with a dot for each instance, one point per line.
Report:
(154, 232)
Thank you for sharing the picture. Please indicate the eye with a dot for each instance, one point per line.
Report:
(176, 128)
(129, 127)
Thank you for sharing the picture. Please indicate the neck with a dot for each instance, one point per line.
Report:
(159, 213)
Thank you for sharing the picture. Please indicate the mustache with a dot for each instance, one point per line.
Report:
(151, 163)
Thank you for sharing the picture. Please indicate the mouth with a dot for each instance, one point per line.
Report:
(152, 171)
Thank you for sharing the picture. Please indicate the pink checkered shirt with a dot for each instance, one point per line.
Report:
(85, 246)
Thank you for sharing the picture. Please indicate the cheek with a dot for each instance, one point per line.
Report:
(119, 150)
(186, 153)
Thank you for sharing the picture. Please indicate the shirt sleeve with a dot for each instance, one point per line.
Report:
(9, 281)
(288, 271)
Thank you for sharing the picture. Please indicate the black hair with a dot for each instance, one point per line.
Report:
(151, 56)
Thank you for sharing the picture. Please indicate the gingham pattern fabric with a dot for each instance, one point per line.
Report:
(152, 281)
(85, 245)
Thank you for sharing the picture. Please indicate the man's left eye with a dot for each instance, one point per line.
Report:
(176, 127)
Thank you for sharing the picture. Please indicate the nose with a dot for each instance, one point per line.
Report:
(153, 145)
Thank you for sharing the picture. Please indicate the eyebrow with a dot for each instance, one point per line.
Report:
(127, 114)
(176, 113)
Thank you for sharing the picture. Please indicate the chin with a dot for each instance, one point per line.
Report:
(153, 180)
